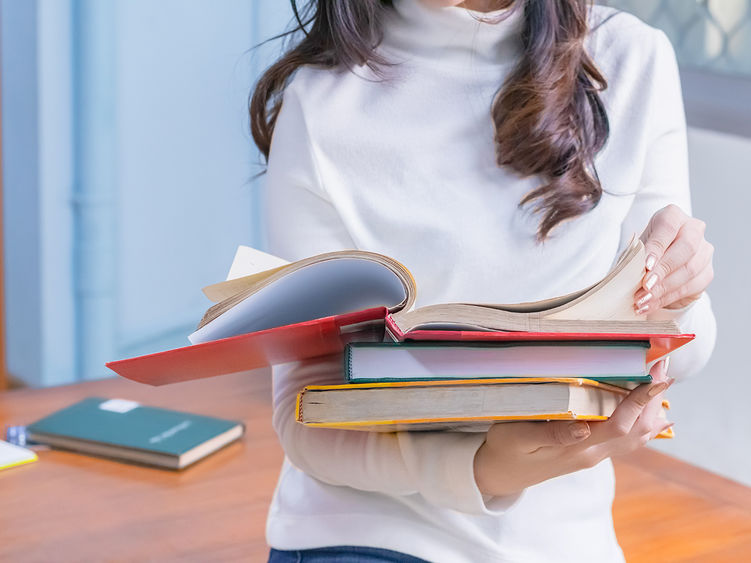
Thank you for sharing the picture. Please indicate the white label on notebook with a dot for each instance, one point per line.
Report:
(118, 405)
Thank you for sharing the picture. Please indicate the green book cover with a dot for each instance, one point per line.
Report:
(428, 361)
(122, 425)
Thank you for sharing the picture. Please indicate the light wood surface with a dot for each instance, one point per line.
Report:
(69, 507)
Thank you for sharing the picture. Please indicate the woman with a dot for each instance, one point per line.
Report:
(476, 143)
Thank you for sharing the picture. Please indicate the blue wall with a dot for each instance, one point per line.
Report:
(127, 171)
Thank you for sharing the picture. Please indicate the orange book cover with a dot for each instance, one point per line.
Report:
(463, 422)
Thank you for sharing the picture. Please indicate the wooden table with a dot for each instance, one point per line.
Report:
(70, 507)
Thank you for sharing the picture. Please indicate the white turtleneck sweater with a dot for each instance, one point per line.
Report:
(405, 166)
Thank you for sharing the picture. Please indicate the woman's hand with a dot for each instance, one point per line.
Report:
(679, 261)
(519, 454)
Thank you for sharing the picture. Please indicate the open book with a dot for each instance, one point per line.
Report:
(351, 280)
(271, 312)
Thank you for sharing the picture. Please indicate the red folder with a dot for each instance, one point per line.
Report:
(325, 336)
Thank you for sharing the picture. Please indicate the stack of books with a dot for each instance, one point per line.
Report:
(446, 366)
(467, 386)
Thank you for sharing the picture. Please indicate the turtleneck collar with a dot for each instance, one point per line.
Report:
(454, 36)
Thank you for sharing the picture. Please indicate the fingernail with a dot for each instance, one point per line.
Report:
(580, 430)
(643, 309)
(643, 300)
(651, 260)
(651, 281)
(657, 388)
(670, 381)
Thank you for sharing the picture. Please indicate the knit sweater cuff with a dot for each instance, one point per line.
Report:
(448, 479)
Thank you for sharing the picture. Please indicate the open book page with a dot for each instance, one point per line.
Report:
(631, 259)
(249, 267)
(309, 289)
(609, 302)
(613, 297)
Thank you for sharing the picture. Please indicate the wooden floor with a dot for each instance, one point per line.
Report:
(68, 507)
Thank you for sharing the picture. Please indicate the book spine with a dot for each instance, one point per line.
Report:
(298, 406)
(348, 363)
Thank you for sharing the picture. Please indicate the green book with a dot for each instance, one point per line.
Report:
(619, 362)
(126, 430)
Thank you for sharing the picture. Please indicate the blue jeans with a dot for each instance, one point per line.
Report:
(341, 554)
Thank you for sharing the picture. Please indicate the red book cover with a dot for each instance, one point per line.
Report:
(254, 350)
(660, 344)
(324, 336)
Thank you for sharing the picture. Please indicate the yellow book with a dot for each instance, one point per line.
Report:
(459, 405)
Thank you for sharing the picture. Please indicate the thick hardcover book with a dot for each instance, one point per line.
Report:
(126, 430)
(459, 405)
(313, 307)
(622, 362)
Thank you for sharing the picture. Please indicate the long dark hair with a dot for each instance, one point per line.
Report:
(548, 116)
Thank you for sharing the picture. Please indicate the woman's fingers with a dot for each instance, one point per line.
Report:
(650, 418)
(686, 279)
(682, 295)
(528, 437)
(625, 416)
(678, 263)
(644, 401)
(686, 242)
(661, 231)
(579, 444)
(557, 433)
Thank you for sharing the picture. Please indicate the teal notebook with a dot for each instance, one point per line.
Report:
(129, 431)
(619, 362)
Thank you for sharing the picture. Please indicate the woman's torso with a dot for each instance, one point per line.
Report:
(409, 165)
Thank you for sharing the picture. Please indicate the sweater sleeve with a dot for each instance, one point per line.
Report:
(301, 221)
(664, 181)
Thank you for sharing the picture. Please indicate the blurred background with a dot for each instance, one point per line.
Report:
(128, 182)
